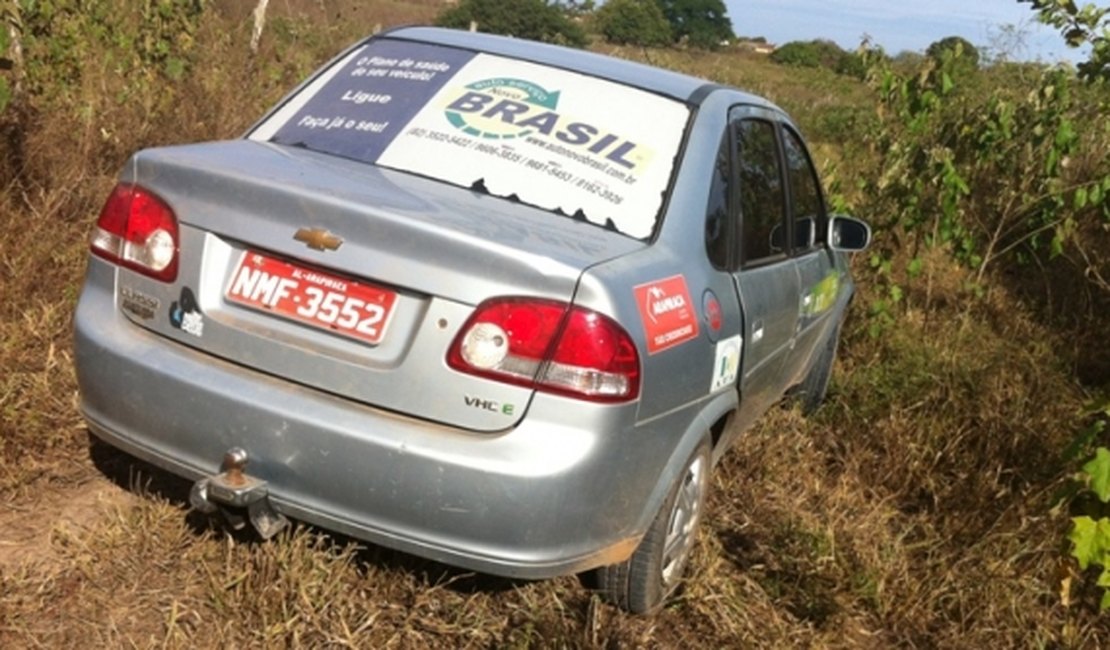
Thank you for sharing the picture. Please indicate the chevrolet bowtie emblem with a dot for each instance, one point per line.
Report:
(318, 239)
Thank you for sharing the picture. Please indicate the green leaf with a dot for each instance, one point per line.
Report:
(946, 84)
(1105, 602)
(1097, 194)
(1065, 134)
(1056, 246)
(5, 94)
(1103, 541)
(915, 266)
(1080, 198)
(1050, 163)
(1098, 468)
(1085, 540)
(1082, 439)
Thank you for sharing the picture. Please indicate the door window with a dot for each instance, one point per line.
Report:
(805, 194)
(717, 217)
(761, 194)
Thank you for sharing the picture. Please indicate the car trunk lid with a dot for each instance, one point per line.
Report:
(432, 250)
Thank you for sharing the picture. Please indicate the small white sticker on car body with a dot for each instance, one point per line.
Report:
(727, 363)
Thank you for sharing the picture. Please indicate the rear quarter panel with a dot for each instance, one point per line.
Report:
(680, 376)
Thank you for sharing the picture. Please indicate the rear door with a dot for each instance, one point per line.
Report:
(766, 277)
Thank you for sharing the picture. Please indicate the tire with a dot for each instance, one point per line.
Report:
(643, 583)
(813, 389)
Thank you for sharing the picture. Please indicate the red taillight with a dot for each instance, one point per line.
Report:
(549, 346)
(138, 230)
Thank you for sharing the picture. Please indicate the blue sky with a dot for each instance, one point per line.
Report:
(895, 25)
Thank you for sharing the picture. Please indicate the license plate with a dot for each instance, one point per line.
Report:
(330, 302)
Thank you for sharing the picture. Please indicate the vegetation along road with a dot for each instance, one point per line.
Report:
(939, 499)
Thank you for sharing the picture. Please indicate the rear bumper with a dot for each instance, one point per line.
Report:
(566, 490)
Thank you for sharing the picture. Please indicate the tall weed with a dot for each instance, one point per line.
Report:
(912, 511)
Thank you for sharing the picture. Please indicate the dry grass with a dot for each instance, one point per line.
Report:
(915, 510)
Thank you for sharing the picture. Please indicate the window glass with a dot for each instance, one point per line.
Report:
(762, 199)
(533, 133)
(716, 220)
(805, 194)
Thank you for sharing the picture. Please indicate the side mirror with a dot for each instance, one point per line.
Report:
(848, 234)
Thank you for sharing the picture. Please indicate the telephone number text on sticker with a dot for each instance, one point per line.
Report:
(326, 301)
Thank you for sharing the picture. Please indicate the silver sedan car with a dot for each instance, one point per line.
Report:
(491, 302)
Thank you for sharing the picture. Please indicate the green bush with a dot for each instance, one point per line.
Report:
(1090, 503)
(148, 45)
(538, 20)
(633, 22)
(985, 173)
(820, 54)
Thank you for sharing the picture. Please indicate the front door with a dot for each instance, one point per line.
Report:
(819, 280)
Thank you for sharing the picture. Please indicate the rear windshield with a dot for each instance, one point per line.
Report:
(559, 140)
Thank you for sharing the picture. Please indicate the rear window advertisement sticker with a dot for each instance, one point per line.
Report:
(558, 140)
(727, 363)
(550, 138)
(667, 313)
(358, 110)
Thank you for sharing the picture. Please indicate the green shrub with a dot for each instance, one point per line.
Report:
(633, 22)
(1090, 532)
(539, 20)
(820, 54)
(983, 172)
(151, 43)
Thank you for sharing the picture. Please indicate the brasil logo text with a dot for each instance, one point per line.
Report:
(505, 108)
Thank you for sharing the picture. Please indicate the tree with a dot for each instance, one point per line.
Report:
(820, 54)
(908, 60)
(539, 20)
(1007, 42)
(955, 46)
(703, 23)
(576, 9)
(1079, 25)
(633, 22)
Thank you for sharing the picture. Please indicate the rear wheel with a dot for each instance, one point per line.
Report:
(642, 583)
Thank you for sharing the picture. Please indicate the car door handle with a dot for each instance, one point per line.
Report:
(757, 331)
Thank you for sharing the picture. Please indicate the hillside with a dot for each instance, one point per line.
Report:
(920, 506)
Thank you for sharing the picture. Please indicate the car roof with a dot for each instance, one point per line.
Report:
(684, 88)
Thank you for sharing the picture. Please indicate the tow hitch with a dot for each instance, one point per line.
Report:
(233, 491)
